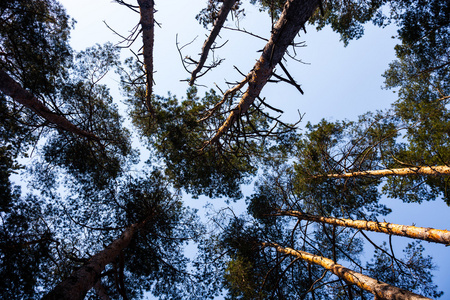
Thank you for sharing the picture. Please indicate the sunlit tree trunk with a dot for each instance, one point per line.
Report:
(14, 90)
(427, 234)
(82, 280)
(147, 9)
(295, 14)
(436, 170)
(223, 13)
(380, 289)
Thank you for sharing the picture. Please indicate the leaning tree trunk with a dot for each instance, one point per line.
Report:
(218, 24)
(380, 289)
(82, 280)
(435, 171)
(14, 90)
(422, 233)
(295, 14)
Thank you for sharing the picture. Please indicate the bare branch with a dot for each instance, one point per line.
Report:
(228, 93)
(292, 81)
(270, 106)
(246, 32)
(223, 13)
(130, 39)
(130, 6)
(443, 98)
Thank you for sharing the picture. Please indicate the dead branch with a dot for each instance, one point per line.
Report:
(223, 13)
(291, 79)
(246, 32)
(229, 93)
(130, 6)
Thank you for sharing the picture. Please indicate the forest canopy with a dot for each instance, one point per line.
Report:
(98, 188)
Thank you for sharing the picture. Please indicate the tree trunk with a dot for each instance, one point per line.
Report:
(380, 289)
(436, 170)
(147, 8)
(14, 90)
(422, 233)
(223, 13)
(82, 280)
(295, 14)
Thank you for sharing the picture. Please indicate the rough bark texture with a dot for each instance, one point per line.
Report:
(422, 233)
(147, 8)
(223, 13)
(380, 289)
(14, 90)
(82, 280)
(436, 170)
(295, 14)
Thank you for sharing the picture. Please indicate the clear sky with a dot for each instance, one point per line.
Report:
(339, 82)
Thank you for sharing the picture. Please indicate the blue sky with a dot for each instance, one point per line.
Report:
(339, 82)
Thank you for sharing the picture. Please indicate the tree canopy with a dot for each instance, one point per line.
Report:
(95, 187)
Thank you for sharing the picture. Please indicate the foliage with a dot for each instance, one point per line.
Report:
(274, 7)
(421, 75)
(413, 272)
(177, 138)
(208, 15)
(348, 18)
(330, 148)
(34, 42)
(258, 272)
(154, 261)
(34, 49)
(212, 171)
(91, 107)
(88, 195)
(14, 139)
(25, 242)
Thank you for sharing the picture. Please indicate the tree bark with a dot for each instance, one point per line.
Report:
(436, 170)
(380, 289)
(14, 90)
(147, 9)
(82, 280)
(295, 14)
(223, 13)
(422, 233)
